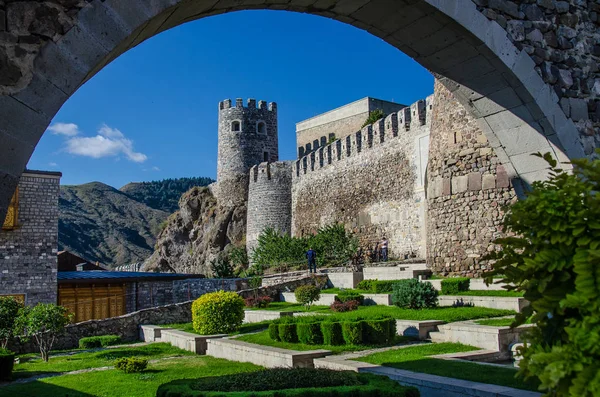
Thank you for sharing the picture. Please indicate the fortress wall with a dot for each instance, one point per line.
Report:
(269, 200)
(466, 190)
(372, 181)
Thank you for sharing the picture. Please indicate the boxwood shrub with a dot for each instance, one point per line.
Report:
(309, 333)
(7, 362)
(383, 287)
(280, 382)
(379, 331)
(131, 365)
(92, 342)
(414, 294)
(332, 332)
(217, 313)
(288, 332)
(452, 286)
(274, 331)
(346, 296)
(366, 285)
(353, 332)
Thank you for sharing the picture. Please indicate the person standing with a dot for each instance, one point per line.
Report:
(384, 249)
(311, 255)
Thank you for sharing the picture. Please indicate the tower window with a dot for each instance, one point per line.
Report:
(266, 156)
(236, 126)
(261, 127)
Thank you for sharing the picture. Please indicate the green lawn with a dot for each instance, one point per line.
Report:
(338, 290)
(448, 314)
(32, 365)
(290, 307)
(499, 322)
(262, 338)
(112, 383)
(516, 294)
(416, 359)
(244, 329)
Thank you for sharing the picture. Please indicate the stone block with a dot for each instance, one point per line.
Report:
(419, 329)
(502, 180)
(459, 184)
(188, 341)
(446, 184)
(488, 182)
(151, 333)
(579, 109)
(257, 316)
(493, 302)
(474, 181)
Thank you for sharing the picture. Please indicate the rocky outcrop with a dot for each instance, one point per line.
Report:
(200, 232)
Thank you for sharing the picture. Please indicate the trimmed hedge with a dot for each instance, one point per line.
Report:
(93, 342)
(274, 331)
(365, 285)
(452, 286)
(346, 296)
(379, 331)
(309, 333)
(332, 333)
(217, 313)
(353, 332)
(7, 362)
(280, 382)
(383, 287)
(288, 333)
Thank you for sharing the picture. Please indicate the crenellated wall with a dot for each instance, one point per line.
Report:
(371, 181)
(467, 189)
(269, 200)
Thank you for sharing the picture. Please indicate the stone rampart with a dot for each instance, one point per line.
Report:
(371, 181)
(269, 200)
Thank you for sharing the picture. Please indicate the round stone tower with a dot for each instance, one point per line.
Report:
(247, 137)
(269, 200)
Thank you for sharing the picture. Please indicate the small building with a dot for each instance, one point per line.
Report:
(29, 239)
(69, 262)
(338, 123)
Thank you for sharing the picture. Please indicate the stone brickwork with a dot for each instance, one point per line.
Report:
(28, 262)
(466, 193)
(247, 136)
(563, 39)
(372, 181)
(269, 200)
(338, 123)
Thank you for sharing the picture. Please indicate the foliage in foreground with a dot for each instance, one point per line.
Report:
(9, 310)
(557, 264)
(332, 244)
(7, 361)
(218, 313)
(289, 382)
(44, 323)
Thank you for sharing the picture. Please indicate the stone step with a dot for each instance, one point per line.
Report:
(437, 337)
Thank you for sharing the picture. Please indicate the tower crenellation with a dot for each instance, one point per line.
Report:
(248, 135)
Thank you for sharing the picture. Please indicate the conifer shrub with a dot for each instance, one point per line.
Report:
(217, 313)
(414, 294)
(455, 285)
(131, 365)
(352, 332)
(7, 362)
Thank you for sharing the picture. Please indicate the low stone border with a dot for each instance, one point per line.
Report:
(328, 299)
(266, 356)
(482, 336)
(477, 284)
(428, 385)
(151, 333)
(417, 329)
(187, 341)
(256, 316)
(493, 302)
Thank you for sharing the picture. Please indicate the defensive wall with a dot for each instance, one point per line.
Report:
(28, 246)
(247, 136)
(269, 200)
(467, 190)
(317, 131)
(372, 181)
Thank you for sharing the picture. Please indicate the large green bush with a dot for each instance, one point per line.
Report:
(9, 311)
(217, 313)
(92, 342)
(455, 285)
(7, 361)
(413, 294)
(307, 295)
(554, 258)
(296, 382)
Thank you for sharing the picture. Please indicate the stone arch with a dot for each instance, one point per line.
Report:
(472, 55)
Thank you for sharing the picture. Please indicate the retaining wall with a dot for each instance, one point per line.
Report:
(494, 302)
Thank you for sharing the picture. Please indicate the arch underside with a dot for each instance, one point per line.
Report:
(471, 55)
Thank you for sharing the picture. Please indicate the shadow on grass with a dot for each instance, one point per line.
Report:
(39, 389)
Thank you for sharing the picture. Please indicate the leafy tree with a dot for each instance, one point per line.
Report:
(44, 322)
(307, 295)
(553, 256)
(221, 268)
(9, 310)
(374, 116)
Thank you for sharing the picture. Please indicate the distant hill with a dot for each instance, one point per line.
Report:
(163, 195)
(117, 227)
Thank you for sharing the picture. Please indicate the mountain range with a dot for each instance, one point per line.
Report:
(118, 226)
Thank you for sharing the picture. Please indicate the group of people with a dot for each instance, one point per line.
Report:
(380, 251)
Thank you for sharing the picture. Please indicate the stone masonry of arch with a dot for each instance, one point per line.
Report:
(498, 58)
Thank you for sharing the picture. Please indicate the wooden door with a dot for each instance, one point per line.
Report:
(89, 302)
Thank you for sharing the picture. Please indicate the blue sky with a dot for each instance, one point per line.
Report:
(152, 113)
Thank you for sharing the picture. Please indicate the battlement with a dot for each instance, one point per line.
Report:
(267, 171)
(250, 104)
(372, 136)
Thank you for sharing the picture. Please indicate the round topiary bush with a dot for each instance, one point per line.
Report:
(413, 294)
(217, 313)
(307, 295)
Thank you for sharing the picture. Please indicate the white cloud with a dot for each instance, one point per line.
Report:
(156, 168)
(110, 142)
(52, 164)
(66, 129)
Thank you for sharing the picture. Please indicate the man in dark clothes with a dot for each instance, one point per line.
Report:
(312, 260)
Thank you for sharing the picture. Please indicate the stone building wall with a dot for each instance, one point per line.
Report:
(28, 262)
(466, 192)
(269, 200)
(371, 181)
(242, 149)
